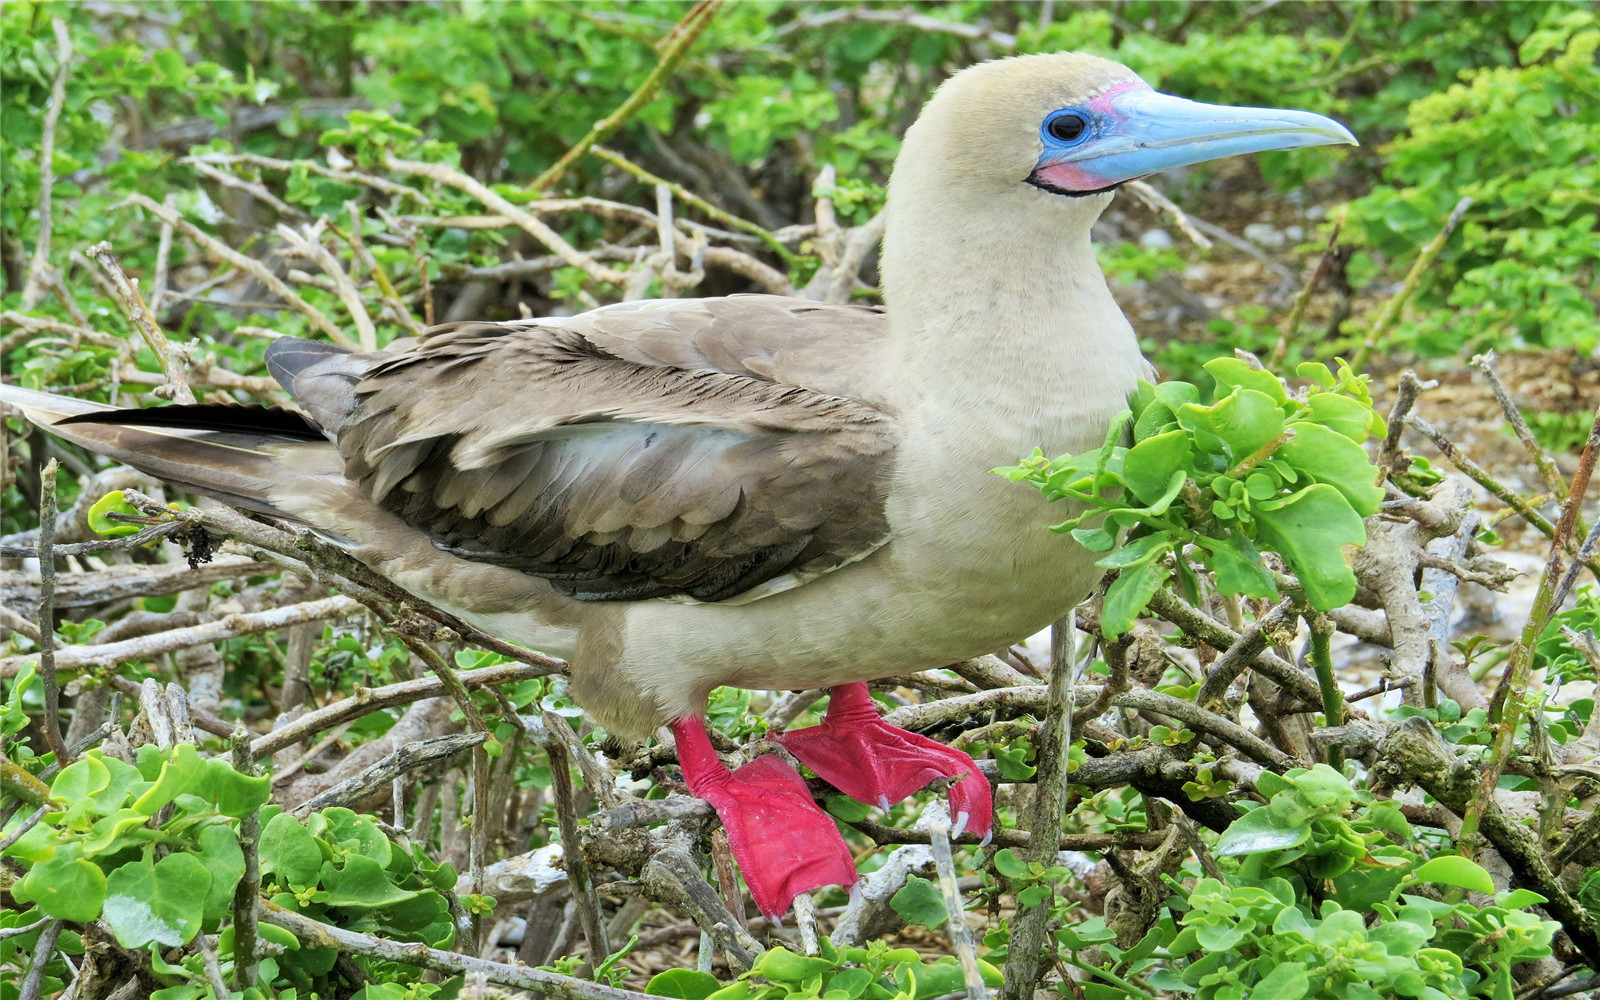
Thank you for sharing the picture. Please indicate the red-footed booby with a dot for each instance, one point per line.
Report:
(755, 491)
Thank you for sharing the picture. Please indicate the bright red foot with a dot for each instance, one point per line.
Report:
(784, 844)
(872, 761)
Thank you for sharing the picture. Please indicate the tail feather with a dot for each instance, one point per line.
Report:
(239, 455)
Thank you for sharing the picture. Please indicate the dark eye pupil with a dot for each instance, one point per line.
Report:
(1067, 127)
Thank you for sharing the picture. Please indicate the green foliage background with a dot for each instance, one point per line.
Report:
(1496, 102)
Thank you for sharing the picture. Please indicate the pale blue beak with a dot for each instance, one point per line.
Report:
(1132, 132)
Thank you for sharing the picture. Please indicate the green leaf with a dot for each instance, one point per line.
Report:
(113, 503)
(1008, 864)
(1232, 373)
(1327, 456)
(920, 902)
(235, 794)
(1238, 425)
(683, 984)
(1261, 830)
(1239, 568)
(290, 851)
(1287, 981)
(161, 903)
(780, 965)
(65, 887)
(80, 780)
(1453, 869)
(1149, 466)
(180, 774)
(224, 861)
(361, 884)
(1130, 593)
(1310, 530)
(1348, 416)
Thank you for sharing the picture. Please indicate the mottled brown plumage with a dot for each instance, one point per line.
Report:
(648, 453)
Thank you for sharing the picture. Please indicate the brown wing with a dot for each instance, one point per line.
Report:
(571, 453)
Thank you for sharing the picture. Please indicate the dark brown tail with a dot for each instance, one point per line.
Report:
(240, 455)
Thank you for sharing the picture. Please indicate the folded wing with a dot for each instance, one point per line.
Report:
(570, 451)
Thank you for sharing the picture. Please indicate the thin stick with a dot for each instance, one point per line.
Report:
(1506, 708)
(674, 47)
(1050, 795)
(171, 358)
(1291, 326)
(47, 614)
(1390, 314)
(141, 647)
(309, 243)
(1541, 458)
(245, 960)
(213, 967)
(246, 263)
(158, 291)
(37, 283)
(525, 221)
(1159, 202)
(688, 197)
(955, 909)
(1332, 697)
(397, 306)
(1501, 492)
(43, 950)
(572, 848)
(315, 934)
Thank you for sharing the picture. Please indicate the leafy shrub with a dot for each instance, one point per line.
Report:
(1260, 468)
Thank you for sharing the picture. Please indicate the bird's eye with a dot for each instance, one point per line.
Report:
(1067, 128)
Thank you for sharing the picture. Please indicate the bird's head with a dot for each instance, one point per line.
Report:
(1070, 125)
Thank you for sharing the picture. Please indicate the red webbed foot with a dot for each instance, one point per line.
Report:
(869, 760)
(783, 842)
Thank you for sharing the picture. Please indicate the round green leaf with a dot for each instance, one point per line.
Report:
(1453, 869)
(162, 903)
(683, 984)
(65, 887)
(920, 902)
(113, 503)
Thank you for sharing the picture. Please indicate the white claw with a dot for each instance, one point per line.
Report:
(961, 824)
(986, 839)
(883, 802)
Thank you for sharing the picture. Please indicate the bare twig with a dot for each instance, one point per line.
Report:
(1050, 796)
(1291, 325)
(38, 281)
(525, 221)
(158, 288)
(255, 268)
(315, 934)
(245, 915)
(1541, 458)
(309, 243)
(577, 865)
(43, 950)
(47, 614)
(673, 49)
(408, 757)
(110, 654)
(172, 358)
(1161, 204)
(1390, 314)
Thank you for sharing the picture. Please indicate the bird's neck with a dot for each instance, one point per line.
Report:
(1004, 320)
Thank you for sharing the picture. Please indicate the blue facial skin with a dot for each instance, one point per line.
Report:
(1133, 131)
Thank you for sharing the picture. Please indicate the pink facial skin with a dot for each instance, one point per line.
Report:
(1071, 176)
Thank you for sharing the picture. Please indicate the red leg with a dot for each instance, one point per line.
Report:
(872, 761)
(784, 844)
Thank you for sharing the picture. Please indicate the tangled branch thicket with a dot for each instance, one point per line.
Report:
(585, 868)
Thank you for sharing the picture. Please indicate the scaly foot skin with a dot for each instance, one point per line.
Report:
(784, 844)
(872, 761)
